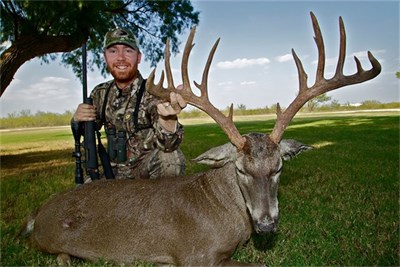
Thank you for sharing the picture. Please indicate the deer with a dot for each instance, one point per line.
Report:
(195, 220)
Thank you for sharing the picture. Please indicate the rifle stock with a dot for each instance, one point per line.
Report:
(76, 128)
(92, 164)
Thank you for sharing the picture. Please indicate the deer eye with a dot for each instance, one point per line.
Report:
(275, 176)
(279, 170)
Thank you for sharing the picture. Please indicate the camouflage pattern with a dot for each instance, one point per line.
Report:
(120, 36)
(150, 151)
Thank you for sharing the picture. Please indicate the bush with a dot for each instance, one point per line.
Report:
(25, 119)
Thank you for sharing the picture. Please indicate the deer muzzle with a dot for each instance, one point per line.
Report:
(266, 226)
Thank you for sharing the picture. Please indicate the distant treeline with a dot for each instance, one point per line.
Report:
(25, 119)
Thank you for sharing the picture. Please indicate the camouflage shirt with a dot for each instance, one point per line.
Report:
(119, 109)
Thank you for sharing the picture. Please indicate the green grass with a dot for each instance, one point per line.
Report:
(339, 203)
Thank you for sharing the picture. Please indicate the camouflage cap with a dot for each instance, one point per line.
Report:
(120, 36)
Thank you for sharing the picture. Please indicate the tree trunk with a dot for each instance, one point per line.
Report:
(29, 47)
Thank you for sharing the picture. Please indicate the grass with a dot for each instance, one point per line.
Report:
(339, 203)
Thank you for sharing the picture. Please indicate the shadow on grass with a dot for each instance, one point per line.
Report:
(35, 163)
(265, 242)
(18, 160)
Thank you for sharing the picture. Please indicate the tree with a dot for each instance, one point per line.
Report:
(335, 105)
(43, 28)
(313, 103)
(241, 107)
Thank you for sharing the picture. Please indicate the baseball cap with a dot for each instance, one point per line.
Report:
(120, 36)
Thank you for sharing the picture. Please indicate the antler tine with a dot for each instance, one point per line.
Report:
(321, 84)
(203, 87)
(202, 102)
(163, 93)
(342, 49)
(185, 61)
(156, 88)
(167, 56)
(225, 122)
(321, 49)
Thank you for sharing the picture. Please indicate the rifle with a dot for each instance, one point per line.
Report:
(88, 129)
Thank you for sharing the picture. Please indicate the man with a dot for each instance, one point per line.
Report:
(143, 133)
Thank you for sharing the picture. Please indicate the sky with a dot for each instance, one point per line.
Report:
(253, 65)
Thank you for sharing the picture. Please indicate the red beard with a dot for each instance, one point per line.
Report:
(123, 76)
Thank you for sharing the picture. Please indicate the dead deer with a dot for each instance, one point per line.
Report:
(198, 220)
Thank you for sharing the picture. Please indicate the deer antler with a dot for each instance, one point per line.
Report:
(202, 102)
(321, 84)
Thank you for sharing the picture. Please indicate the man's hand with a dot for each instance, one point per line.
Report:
(168, 111)
(85, 112)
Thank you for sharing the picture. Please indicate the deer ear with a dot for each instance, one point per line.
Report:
(290, 148)
(218, 156)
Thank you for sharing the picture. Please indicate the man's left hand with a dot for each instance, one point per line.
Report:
(168, 111)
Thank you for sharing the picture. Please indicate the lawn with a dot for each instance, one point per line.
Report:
(339, 203)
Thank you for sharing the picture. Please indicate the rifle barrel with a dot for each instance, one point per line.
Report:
(84, 72)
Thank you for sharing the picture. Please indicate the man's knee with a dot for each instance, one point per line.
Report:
(167, 164)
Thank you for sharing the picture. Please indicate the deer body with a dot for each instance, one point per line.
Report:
(197, 220)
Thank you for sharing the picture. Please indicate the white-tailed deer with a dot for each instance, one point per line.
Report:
(197, 220)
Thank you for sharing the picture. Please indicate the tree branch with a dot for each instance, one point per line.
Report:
(28, 47)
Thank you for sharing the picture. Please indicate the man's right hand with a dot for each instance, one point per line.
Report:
(85, 112)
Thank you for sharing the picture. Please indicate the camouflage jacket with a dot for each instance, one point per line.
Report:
(119, 115)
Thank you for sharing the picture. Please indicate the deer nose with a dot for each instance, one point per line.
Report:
(266, 226)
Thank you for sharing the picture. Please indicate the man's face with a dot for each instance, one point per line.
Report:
(122, 62)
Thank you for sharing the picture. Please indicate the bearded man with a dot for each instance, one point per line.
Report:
(143, 133)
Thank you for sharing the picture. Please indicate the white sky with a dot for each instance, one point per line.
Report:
(253, 65)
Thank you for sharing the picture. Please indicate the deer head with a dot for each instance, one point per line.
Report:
(258, 157)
